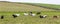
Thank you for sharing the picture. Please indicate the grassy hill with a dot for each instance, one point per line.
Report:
(48, 6)
(12, 7)
(9, 8)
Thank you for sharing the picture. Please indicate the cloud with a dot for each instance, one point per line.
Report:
(3, 0)
(36, 1)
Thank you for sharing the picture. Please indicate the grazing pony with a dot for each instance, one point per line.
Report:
(2, 17)
(33, 14)
(25, 14)
(15, 15)
(43, 16)
(55, 16)
(30, 13)
(38, 13)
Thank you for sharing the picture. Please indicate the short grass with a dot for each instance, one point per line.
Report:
(8, 18)
(7, 9)
(15, 7)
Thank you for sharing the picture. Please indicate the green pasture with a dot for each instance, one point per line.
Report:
(9, 8)
(8, 18)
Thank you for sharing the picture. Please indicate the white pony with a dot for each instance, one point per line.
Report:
(44, 16)
(26, 14)
(33, 14)
(17, 14)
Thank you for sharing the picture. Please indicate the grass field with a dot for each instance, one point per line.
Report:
(7, 9)
(8, 19)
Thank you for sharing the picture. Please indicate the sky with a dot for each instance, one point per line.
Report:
(36, 1)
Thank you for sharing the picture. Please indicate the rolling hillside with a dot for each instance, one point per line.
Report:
(48, 6)
(7, 9)
(15, 7)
